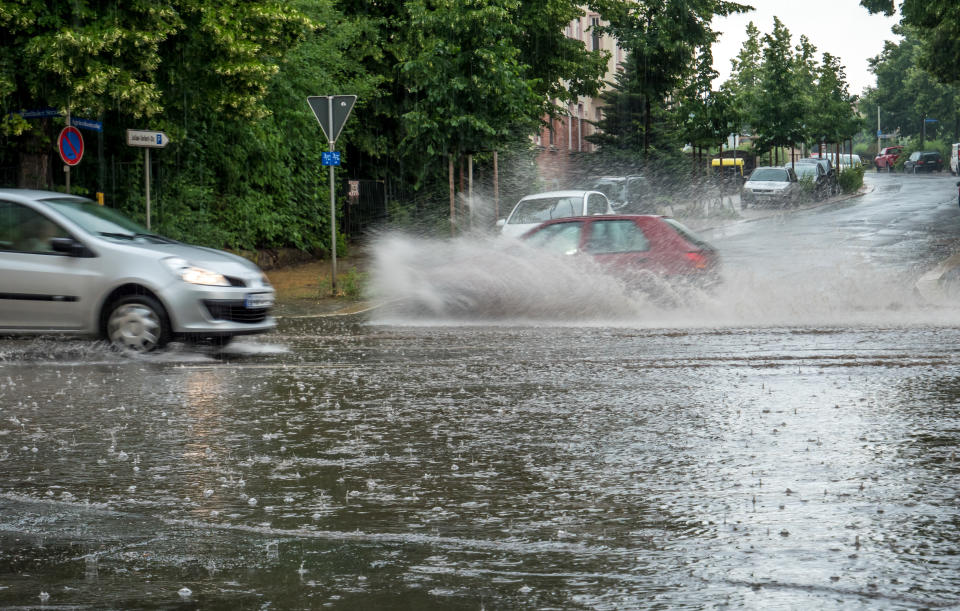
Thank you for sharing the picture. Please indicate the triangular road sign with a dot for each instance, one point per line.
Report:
(331, 122)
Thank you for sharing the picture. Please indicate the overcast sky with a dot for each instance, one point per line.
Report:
(842, 28)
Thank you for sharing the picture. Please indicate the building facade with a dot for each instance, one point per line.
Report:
(561, 143)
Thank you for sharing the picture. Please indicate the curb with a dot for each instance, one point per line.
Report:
(354, 309)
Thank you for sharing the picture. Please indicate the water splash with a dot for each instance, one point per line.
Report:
(484, 280)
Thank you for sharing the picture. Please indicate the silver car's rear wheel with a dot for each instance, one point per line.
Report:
(137, 323)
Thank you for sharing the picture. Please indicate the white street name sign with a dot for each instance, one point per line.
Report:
(139, 137)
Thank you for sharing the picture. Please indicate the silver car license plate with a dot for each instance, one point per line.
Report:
(258, 301)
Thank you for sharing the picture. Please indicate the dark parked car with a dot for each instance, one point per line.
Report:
(817, 177)
(628, 244)
(923, 161)
(827, 166)
(627, 194)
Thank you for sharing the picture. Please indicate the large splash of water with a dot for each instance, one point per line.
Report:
(494, 280)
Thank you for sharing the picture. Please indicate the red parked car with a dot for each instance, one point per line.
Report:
(887, 158)
(627, 244)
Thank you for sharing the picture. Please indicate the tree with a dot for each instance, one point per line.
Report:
(832, 116)
(698, 107)
(744, 82)
(97, 57)
(805, 73)
(779, 113)
(905, 92)
(258, 183)
(663, 39)
(465, 81)
(937, 26)
(632, 128)
(466, 76)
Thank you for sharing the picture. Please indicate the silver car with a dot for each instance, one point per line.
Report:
(68, 265)
(769, 185)
(534, 209)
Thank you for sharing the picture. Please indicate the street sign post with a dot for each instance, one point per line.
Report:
(70, 143)
(332, 112)
(147, 140)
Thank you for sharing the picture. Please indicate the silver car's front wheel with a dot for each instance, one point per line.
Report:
(137, 323)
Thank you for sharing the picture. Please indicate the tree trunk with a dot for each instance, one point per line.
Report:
(35, 171)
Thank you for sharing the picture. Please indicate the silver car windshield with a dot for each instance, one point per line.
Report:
(544, 209)
(101, 221)
(770, 175)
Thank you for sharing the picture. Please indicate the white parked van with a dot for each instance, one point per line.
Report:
(955, 159)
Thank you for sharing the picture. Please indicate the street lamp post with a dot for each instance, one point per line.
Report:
(923, 137)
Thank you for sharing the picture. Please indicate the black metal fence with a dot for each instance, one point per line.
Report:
(365, 207)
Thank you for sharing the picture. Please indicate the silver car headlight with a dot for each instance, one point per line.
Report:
(193, 274)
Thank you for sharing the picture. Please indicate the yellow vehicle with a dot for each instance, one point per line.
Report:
(728, 167)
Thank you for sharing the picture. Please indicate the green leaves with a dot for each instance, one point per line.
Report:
(936, 25)
(785, 95)
(906, 92)
(465, 76)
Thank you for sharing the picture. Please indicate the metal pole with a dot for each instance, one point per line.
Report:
(146, 179)
(470, 186)
(66, 168)
(333, 210)
(496, 190)
(878, 129)
(923, 131)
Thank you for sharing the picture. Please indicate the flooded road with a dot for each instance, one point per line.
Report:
(774, 445)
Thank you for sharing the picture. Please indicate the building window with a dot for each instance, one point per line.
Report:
(579, 29)
(594, 24)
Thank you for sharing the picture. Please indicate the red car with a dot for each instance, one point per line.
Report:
(887, 158)
(628, 244)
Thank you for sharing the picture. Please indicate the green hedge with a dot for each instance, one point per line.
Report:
(851, 179)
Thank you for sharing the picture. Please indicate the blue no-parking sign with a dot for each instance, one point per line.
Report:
(330, 158)
(70, 144)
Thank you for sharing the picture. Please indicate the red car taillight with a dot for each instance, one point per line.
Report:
(699, 260)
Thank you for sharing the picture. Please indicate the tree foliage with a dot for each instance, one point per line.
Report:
(785, 96)
(936, 24)
(663, 81)
(780, 109)
(227, 81)
(92, 56)
(906, 93)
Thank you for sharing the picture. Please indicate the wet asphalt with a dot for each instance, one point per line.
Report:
(785, 442)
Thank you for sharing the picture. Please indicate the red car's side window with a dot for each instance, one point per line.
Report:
(616, 236)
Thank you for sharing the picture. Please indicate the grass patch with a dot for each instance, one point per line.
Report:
(312, 280)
